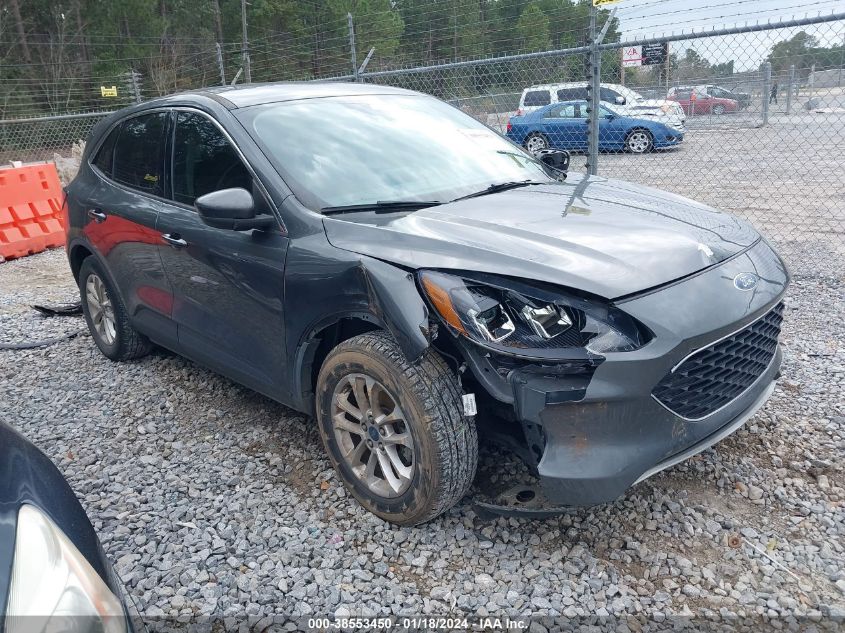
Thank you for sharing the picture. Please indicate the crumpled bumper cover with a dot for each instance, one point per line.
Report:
(595, 447)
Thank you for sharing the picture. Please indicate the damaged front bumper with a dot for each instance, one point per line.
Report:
(591, 432)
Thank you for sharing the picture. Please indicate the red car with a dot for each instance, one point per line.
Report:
(697, 101)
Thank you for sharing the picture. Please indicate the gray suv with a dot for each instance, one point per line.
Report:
(379, 260)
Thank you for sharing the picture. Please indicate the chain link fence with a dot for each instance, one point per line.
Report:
(763, 135)
(762, 109)
(39, 139)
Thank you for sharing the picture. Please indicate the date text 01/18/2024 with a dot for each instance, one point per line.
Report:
(418, 623)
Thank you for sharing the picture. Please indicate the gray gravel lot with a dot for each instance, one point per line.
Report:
(212, 499)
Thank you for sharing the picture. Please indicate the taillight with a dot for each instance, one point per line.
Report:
(510, 125)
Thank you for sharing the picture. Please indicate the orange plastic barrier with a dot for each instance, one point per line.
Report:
(30, 210)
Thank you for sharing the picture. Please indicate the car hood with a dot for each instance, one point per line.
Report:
(654, 103)
(656, 106)
(607, 237)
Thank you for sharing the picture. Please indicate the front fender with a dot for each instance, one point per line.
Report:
(395, 301)
(357, 288)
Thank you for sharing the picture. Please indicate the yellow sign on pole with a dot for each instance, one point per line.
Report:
(601, 3)
(108, 92)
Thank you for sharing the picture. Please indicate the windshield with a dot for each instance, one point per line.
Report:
(354, 150)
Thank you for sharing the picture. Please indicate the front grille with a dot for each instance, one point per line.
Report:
(715, 375)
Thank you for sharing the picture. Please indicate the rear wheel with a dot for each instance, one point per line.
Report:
(535, 142)
(106, 315)
(395, 431)
(639, 141)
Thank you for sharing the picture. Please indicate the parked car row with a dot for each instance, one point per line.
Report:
(680, 101)
(564, 126)
(625, 101)
(556, 116)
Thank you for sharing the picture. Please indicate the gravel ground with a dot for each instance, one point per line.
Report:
(211, 499)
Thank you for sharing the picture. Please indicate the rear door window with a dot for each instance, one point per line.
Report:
(537, 98)
(204, 160)
(139, 153)
(105, 155)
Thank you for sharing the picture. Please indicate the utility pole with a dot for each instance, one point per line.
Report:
(245, 46)
(220, 64)
(352, 46)
(594, 92)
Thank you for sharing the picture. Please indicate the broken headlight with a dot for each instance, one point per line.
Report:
(516, 317)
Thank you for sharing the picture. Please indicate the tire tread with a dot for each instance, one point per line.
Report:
(456, 436)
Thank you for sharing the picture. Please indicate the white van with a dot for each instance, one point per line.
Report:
(624, 100)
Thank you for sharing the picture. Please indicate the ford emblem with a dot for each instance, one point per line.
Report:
(746, 281)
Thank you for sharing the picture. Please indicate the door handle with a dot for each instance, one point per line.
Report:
(97, 215)
(174, 240)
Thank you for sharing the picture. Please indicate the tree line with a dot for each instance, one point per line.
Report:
(56, 54)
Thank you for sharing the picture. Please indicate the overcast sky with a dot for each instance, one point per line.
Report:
(647, 18)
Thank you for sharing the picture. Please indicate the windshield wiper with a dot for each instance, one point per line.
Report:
(382, 206)
(501, 186)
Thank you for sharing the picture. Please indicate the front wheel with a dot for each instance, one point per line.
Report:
(536, 142)
(394, 430)
(639, 142)
(718, 109)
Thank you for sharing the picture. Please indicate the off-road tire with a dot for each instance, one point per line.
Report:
(128, 343)
(446, 441)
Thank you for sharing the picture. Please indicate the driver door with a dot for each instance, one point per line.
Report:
(227, 285)
(565, 127)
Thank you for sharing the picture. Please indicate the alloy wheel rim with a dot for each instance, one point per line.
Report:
(535, 144)
(638, 142)
(373, 435)
(100, 308)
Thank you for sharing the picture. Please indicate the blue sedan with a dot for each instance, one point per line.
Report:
(564, 126)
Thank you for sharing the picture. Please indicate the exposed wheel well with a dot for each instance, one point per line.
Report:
(77, 256)
(319, 347)
(638, 129)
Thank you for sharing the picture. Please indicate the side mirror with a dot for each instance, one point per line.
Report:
(620, 100)
(232, 209)
(557, 159)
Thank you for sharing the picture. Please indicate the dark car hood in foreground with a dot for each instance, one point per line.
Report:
(28, 476)
(607, 237)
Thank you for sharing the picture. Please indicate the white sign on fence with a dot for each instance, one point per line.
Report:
(632, 56)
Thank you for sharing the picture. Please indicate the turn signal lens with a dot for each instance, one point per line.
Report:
(442, 302)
